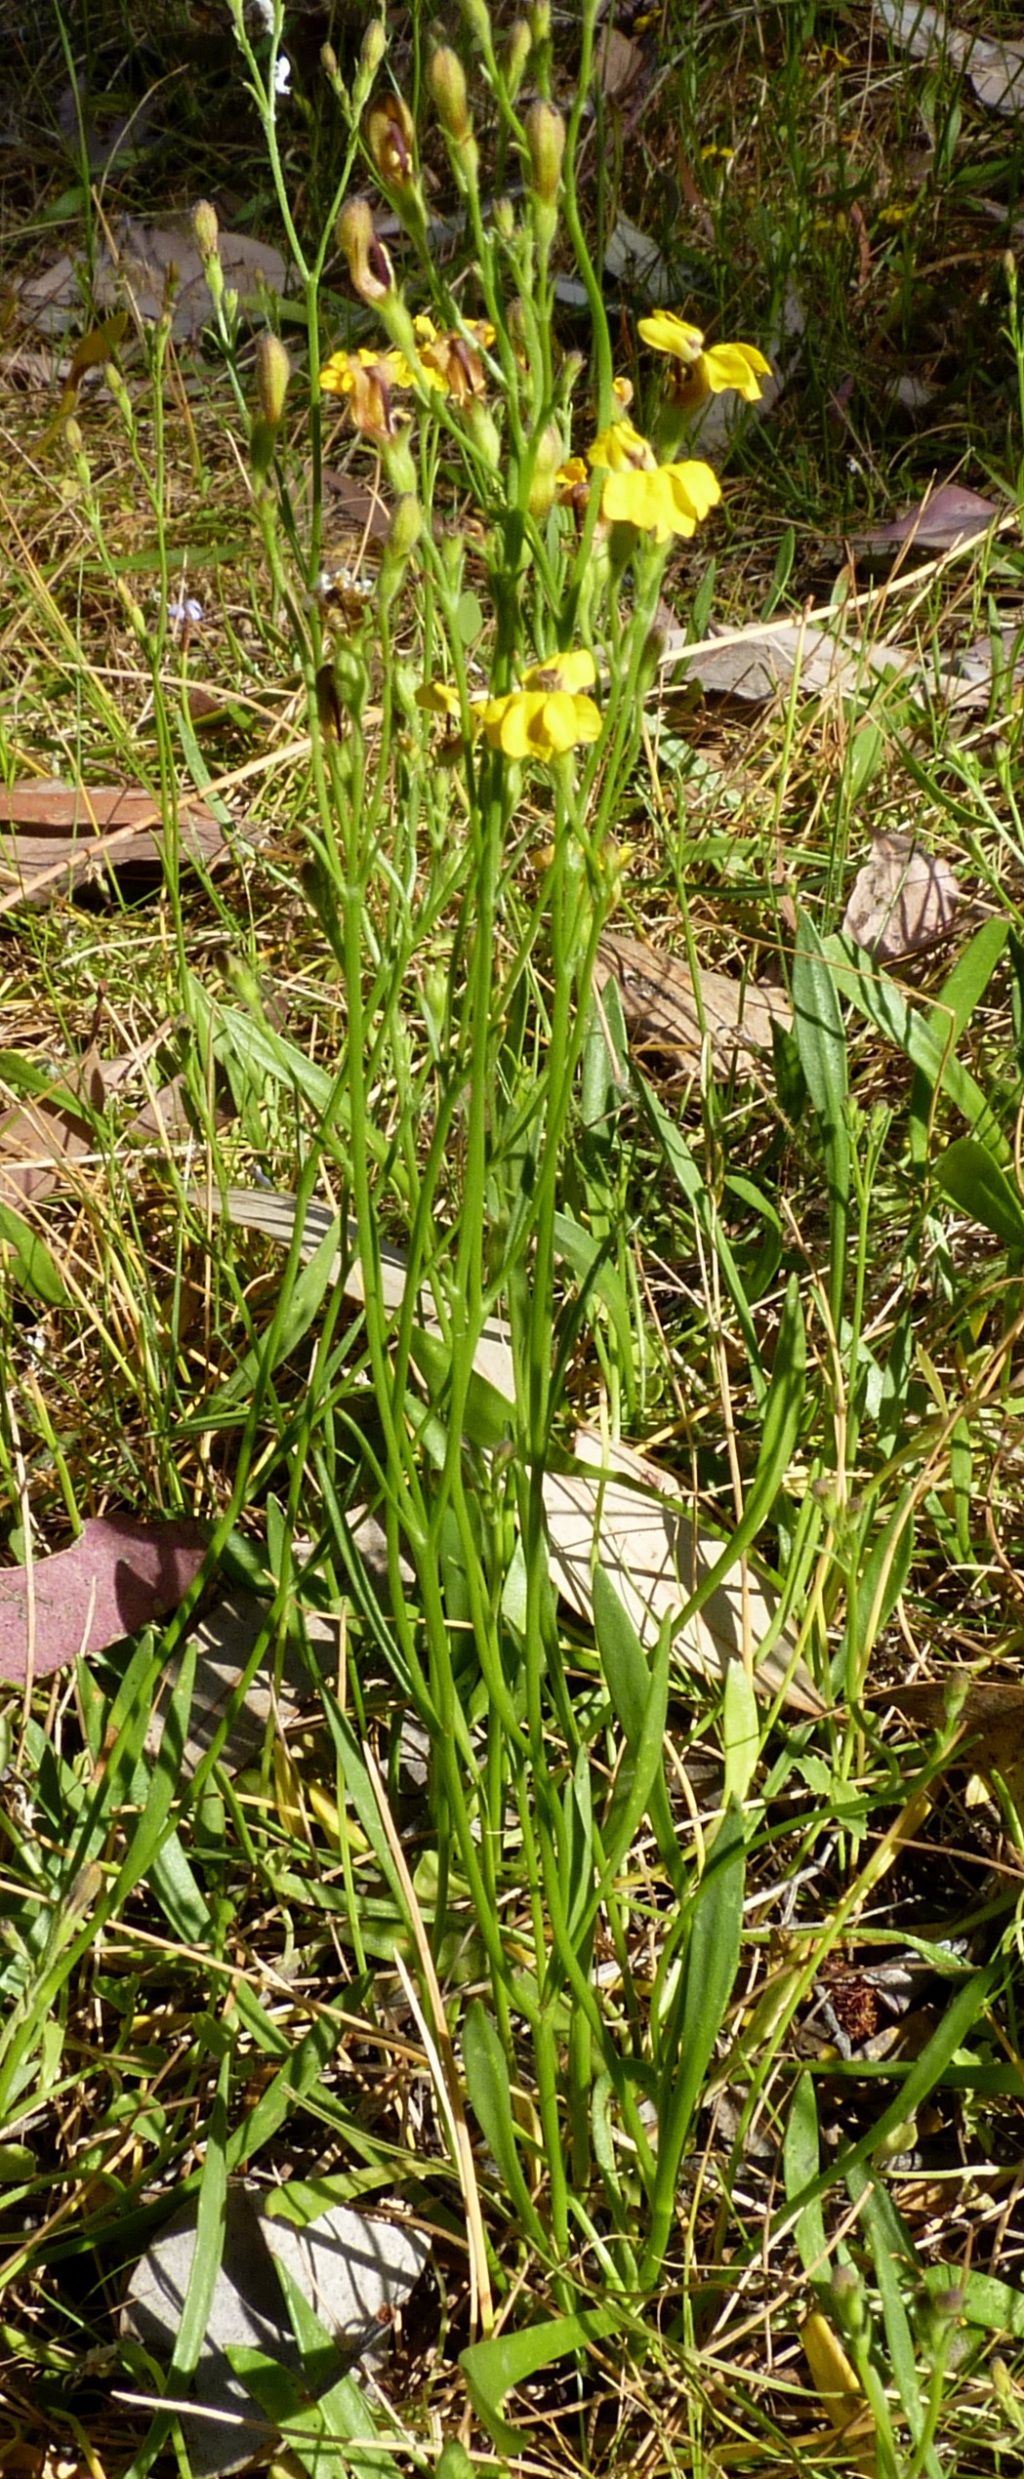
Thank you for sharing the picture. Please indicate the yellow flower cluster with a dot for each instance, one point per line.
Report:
(704, 370)
(449, 360)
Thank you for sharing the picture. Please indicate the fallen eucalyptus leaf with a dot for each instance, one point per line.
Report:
(273, 1213)
(116, 1578)
(660, 1006)
(756, 663)
(625, 1517)
(995, 69)
(938, 522)
(902, 901)
(54, 838)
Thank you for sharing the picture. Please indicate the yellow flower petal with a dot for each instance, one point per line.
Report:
(564, 671)
(736, 366)
(437, 697)
(668, 334)
(620, 449)
(695, 486)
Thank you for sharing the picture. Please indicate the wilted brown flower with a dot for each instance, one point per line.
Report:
(369, 266)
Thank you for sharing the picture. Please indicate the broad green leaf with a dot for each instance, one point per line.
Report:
(491, 2368)
(887, 1007)
(950, 1015)
(30, 1264)
(639, 1695)
(821, 1041)
(694, 2021)
(967, 1173)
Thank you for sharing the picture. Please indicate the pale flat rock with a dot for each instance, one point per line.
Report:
(354, 2271)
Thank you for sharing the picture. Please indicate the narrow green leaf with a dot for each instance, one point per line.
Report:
(695, 2020)
(305, 1300)
(490, 2095)
(886, 1007)
(801, 2161)
(640, 1698)
(821, 1041)
(951, 1014)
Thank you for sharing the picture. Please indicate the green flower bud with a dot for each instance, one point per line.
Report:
(405, 528)
(73, 435)
(399, 466)
(478, 21)
(372, 49)
(549, 455)
(518, 46)
(119, 392)
(545, 137)
(484, 433)
(205, 228)
(329, 65)
(273, 371)
(446, 86)
(848, 2301)
(504, 219)
(540, 21)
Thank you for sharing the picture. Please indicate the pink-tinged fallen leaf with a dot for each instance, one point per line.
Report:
(937, 522)
(53, 837)
(902, 901)
(117, 1577)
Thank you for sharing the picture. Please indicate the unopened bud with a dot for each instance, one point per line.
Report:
(540, 21)
(504, 219)
(329, 65)
(399, 465)
(405, 528)
(73, 435)
(484, 433)
(369, 266)
(549, 454)
(545, 137)
(848, 2300)
(446, 85)
(205, 228)
(390, 135)
(273, 371)
(518, 46)
(478, 21)
(372, 49)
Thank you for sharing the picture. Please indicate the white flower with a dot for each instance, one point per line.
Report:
(186, 612)
(282, 74)
(265, 12)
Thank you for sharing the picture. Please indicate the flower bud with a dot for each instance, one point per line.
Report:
(446, 85)
(372, 49)
(540, 21)
(848, 2300)
(484, 433)
(205, 228)
(399, 466)
(73, 435)
(504, 219)
(549, 453)
(545, 137)
(329, 65)
(390, 135)
(273, 371)
(518, 46)
(369, 266)
(478, 21)
(405, 528)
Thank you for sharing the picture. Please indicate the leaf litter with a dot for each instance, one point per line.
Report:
(903, 900)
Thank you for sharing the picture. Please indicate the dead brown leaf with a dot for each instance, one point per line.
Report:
(117, 1577)
(902, 901)
(54, 838)
(938, 522)
(661, 1010)
(620, 64)
(624, 1516)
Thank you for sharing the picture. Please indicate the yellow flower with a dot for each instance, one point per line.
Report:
(367, 379)
(437, 697)
(450, 359)
(660, 499)
(705, 371)
(548, 713)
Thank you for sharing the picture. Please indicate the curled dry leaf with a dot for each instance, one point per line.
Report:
(54, 839)
(46, 1138)
(661, 1010)
(118, 1576)
(903, 901)
(625, 1517)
